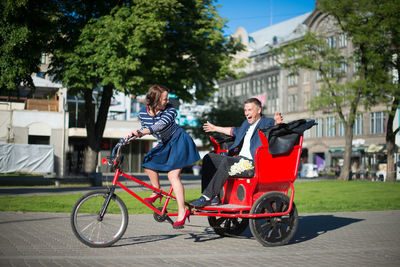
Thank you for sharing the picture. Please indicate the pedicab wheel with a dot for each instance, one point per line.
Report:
(226, 226)
(89, 228)
(274, 231)
(158, 217)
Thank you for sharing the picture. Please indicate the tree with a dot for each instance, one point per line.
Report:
(226, 113)
(373, 27)
(357, 19)
(335, 95)
(387, 48)
(176, 43)
(26, 29)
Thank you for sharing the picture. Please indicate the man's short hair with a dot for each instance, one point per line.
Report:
(255, 101)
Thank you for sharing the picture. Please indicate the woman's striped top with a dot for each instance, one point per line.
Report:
(162, 126)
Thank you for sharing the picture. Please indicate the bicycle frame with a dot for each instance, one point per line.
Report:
(136, 180)
(115, 162)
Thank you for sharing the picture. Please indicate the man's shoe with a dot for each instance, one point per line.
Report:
(201, 202)
(215, 201)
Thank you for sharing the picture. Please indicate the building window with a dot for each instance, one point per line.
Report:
(319, 76)
(43, 58)
(41, 75)
(343, 68)
(306, 76)
(342, 40)
(341, 129)
(292, 80)
(330, 126)
(306, 99)
(272, 94)
(275, 79)
(331, 41)
(38, 140)
(237, 89)
(307, 133)
(292, 102)
(377, 122)
(319, 127)
(358, 125)
(274, 40)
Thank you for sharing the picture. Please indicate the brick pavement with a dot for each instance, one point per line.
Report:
(322, 239)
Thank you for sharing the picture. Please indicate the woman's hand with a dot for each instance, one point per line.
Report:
(136, 133)
(208, 127)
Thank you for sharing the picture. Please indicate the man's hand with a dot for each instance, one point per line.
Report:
(278, 118)
(208, 127)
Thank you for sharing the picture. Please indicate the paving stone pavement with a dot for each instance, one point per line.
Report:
(322, 239)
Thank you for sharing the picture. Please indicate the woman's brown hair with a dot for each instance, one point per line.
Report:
(153, 96)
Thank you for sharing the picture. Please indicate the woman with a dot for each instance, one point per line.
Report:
(175, 148)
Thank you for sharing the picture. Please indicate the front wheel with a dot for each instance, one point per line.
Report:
(274, 231)
(89, 228)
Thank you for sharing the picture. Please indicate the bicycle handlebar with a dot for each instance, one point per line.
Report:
(116, 151)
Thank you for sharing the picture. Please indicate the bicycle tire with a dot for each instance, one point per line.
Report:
(94, 232)
(273, 231)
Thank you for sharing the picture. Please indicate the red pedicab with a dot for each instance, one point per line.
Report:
(100, 218)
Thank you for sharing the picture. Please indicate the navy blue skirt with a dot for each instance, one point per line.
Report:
(180, 151)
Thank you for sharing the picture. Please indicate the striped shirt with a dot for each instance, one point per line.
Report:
(162, 126)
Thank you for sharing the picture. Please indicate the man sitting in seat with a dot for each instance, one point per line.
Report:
(216, 168)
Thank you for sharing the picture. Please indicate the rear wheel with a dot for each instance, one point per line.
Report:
(274, 231)
(226, 226)
(87, 225)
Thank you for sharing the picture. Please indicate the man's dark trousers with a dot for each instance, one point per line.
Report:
(215, 172)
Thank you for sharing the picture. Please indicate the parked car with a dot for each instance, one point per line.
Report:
(309, 170)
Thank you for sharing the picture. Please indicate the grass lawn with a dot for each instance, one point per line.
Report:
(318, 196)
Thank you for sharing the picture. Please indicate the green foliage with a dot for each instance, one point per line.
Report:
(315, 196)
(130, 45)
(313, 53)
(372, 27)
(227, 113)
(25, 30)
(176, 43)
(338, 196)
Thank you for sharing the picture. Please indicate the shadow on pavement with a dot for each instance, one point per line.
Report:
(138, 240)
(311, 226)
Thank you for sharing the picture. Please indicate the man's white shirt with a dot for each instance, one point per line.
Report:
(245, 151)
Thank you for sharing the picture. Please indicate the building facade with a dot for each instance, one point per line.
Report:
(289, 94)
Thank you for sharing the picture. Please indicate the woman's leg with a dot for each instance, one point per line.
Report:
(154, 178)
(175, 180)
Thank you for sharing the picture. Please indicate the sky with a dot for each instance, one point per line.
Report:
(254, 15)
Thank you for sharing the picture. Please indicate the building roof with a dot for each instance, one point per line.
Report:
(261, 41)
(40, 82)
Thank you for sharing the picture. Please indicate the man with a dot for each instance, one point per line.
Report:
(216, 167)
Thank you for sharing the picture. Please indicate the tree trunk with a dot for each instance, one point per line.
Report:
(90, 160)
(345, 172)
(95, 126)
(390, 143)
